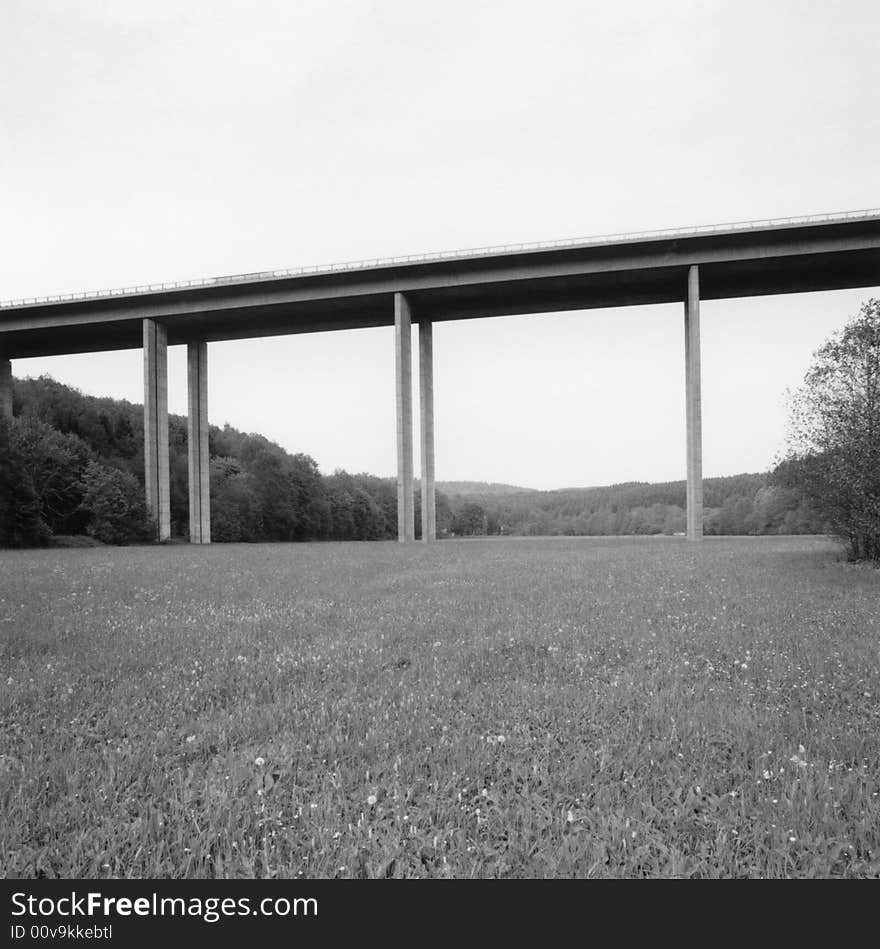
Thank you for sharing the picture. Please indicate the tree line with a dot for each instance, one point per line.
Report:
(740, 504)
(72, 464)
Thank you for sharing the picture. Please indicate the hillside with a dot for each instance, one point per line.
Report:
(737, 504)
(72, 464)
(480, 489)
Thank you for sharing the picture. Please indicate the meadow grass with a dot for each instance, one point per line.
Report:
(485, 708)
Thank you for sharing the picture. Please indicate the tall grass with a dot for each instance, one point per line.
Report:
(496, 708)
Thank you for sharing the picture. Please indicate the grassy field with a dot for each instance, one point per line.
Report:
(559, 707)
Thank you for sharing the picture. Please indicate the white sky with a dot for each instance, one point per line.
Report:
(145, 141)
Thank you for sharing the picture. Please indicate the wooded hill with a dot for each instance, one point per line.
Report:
(72, 464)
(738, 504)
(481, 489)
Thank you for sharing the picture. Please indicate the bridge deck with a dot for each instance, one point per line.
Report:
(736, 260)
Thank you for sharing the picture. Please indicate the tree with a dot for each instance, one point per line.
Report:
(234, 514)
(471, 520)
(20, 521)
(114, 503)
(834, 434)
(51, 468)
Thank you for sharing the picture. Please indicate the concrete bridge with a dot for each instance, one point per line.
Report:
(793, 255)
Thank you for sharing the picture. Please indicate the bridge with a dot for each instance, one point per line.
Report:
(791, 255)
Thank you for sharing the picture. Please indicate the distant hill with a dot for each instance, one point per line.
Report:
(72, 464)
(737, 504)
(480, 489)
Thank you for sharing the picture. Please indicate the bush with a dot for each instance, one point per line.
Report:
(20, 521)
(834, 456)
(113, 500)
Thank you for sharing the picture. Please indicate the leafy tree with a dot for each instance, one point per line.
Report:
(443, 514)
(20, 522)
(234, 516)
(178, 475)
(51, 469)
(353, 512)
(834, 434)
(114, 503)
(471, 519)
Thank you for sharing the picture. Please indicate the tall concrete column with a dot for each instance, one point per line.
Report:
(426, 408)
(694, 406)
(406, 528)
(156, 467)
(5, 388)
(199, 480)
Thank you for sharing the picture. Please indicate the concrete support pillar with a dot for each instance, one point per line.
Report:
(5, 388)
(426, 407)
(199, 480)
(156, 467)
(694, 406)
(406, 529)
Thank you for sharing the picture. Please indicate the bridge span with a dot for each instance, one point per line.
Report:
(825, 252)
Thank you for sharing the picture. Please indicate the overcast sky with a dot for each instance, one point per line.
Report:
(146, 141)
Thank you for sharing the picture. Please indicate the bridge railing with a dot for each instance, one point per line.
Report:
(489, 251)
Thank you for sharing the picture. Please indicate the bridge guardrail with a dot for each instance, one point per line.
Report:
(493, 250)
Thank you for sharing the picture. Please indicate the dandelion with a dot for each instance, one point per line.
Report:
(371, 800)
(799, 758)
(259, 762)
(569, 817)
(190, 739)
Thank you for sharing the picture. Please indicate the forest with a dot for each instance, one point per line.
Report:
(72, 466)
(738, 504)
